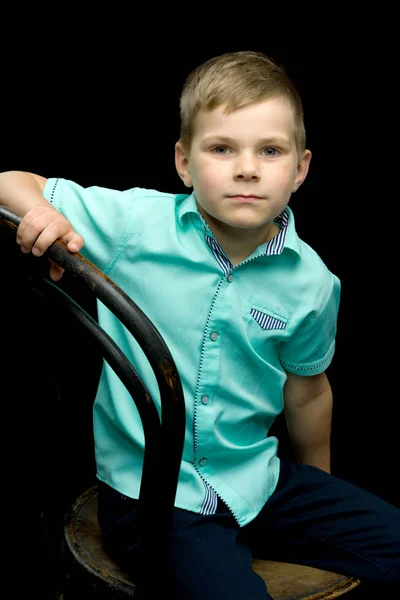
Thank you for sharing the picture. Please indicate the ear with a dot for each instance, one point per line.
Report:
(182, 164)
(302, 170)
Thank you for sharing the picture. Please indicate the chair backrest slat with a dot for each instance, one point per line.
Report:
(163, 441)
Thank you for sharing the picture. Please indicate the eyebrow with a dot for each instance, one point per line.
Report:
(262, 142)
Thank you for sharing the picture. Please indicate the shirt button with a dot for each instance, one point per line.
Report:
(202, 462)
(205, 399)
(230, 278)
(214, 336)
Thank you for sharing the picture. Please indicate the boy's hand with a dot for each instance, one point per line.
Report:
(41, 227)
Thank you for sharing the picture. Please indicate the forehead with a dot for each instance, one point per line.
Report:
(271, 117)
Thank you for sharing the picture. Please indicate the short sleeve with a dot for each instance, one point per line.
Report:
(101, 216)
(311, 348)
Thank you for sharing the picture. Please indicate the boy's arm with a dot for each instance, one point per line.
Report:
(308, 414)
(42, 224)
(21, 191)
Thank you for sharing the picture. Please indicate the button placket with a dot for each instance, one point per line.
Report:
(208, 377)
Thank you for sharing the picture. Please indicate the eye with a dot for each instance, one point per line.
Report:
(220, 150)
(270, 151)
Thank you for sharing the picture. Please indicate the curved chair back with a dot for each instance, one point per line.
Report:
(163, 438)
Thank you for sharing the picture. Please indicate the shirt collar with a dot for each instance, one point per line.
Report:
(286, 221)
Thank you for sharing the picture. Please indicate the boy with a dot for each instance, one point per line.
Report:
(249, 313)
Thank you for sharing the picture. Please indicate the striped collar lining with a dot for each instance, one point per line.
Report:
(274, 246)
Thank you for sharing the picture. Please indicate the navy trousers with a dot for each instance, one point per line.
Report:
(313, 518)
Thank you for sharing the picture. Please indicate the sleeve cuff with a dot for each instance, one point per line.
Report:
(313, 368)
(50, 189)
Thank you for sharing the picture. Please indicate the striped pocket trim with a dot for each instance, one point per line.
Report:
(210, 502)
(266, 321)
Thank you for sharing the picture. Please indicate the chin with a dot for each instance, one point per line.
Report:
(243, 224)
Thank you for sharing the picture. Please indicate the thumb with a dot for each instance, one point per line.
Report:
(56, 272)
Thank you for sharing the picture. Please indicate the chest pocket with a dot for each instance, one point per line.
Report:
(268, 319)
(267, 330)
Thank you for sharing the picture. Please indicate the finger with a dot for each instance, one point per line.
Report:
(38, 221)
(38, 238)
(74, 241)
(30, 216)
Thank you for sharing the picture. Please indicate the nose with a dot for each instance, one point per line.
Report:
(246, 167)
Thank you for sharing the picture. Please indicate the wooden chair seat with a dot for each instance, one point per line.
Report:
(92, 572)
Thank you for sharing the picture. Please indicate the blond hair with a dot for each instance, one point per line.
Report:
(237, 79)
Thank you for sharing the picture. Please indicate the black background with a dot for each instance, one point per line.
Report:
(101, 108)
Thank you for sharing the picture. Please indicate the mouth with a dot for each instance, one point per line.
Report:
(246, 197)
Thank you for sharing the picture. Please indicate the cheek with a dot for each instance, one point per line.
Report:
(206, 176)
(284, 180)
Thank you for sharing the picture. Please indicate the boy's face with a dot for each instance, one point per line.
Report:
(244, 166)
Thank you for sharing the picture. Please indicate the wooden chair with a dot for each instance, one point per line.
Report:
(88, 571)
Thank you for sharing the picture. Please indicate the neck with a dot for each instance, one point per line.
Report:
(237, 243)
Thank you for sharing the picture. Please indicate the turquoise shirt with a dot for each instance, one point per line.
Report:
(232, 331)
